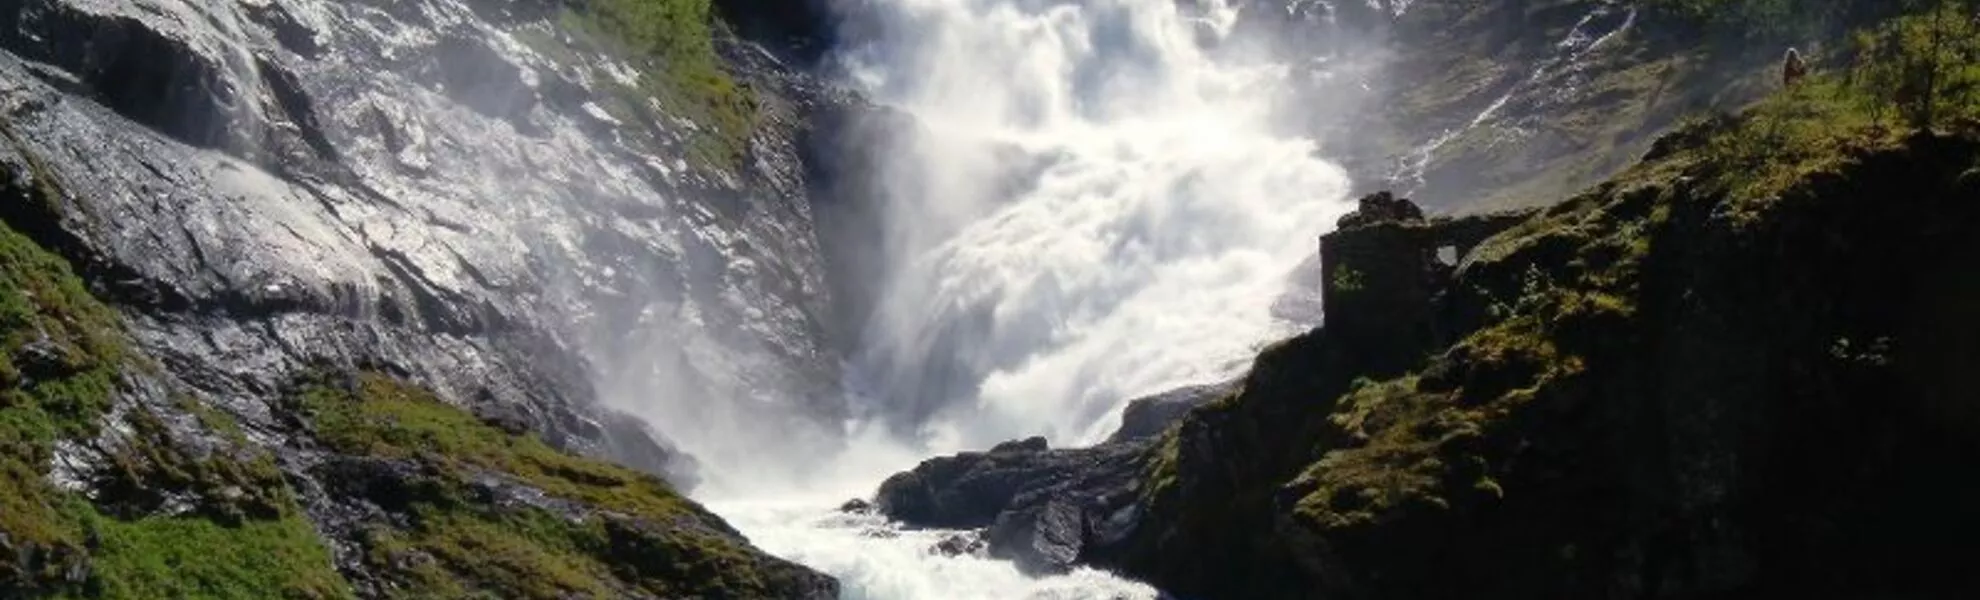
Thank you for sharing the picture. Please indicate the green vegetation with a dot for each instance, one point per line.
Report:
(240, 535)
(1908, 74)
(1789, 20)
(1348, 280)
(63, 347)
(1396, 465)
(393, 420)
(1419, 442)
(181, 557)
(1161, 470)
(632, 530)
(1752, 18)
(1924, 67)
(1612, 367)
(63, 350)
(180, 504)
(673, 42)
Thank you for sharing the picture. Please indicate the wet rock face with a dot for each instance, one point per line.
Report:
(1148, 417)
(458, 193)
(438, 186)
(961, 544)
(1044, 509)
(1042, 538)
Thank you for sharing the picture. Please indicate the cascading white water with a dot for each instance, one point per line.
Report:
(1094, 208)
(1126, 217)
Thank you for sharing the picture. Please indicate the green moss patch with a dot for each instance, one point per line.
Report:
(600, 529)
(232, 530)
(175, 557)
(62, 349)
(390, 419)
(673, 41)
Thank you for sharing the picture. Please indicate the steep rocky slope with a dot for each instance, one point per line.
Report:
(322, 298)
(1734, 370)
(1478, 105)
(1655, 389)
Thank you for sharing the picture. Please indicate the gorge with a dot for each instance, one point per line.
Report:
(880, 299)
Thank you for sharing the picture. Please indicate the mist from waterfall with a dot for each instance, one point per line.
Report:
(1091, 206)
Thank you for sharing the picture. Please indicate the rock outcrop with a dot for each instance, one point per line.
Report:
(1718, 375)
(1653, 391)
(1148, 417)
(1048, 509)
(472, 198)
(1478, 105)
(1045, 509)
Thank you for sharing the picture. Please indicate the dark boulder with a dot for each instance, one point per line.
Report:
(968, 490)
(1149, 417)
(1041, 539)
(1030, 444)
(961, 544)
(1044, 509)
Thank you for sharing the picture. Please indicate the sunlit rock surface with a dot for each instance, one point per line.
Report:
(465, 195)
(443, 187)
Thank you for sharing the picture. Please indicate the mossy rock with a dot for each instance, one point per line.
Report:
(486, 513)
(66, 360)
(673, 41)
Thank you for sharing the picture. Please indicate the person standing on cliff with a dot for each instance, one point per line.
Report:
(1792, 68)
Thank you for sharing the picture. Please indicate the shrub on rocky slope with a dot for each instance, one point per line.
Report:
(1737, 369)
(1733, 370)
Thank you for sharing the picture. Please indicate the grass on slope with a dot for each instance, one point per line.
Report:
(241, 537)
(633, 530)
(1417, 439)
(1912, 73)
(674, 42)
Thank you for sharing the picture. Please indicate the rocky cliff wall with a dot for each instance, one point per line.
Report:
(482, 202)
(1692, 381)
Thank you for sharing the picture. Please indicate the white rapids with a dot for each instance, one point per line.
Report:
(1095, 187)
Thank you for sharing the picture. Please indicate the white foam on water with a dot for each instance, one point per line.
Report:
(1098, 208)
(1094, 206)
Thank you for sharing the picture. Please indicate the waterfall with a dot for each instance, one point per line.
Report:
(1094, 206)
(1097, 210)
